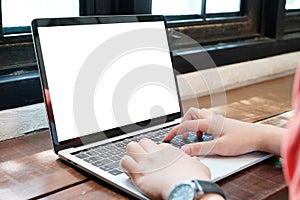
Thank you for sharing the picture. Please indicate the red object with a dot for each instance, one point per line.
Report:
(291, 145)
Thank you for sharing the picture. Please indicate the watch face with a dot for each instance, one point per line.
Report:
(183, 191)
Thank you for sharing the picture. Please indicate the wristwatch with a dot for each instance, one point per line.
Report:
(194, 189)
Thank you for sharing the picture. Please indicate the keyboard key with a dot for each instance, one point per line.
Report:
(106, 161)
(105, 168)
(114, 152)
(97, 163)
(114, 165)
(99, 149)
(81, 155)
(104, 155)
(116, 158)
(207, 137)
(91, 159)
(121, 145)
(110, 147)
(92, 153)
(115, 172)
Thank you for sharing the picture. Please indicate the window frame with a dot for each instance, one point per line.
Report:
(94, 7)
(183, 19)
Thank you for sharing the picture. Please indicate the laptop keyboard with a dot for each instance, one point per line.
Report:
(107, 156)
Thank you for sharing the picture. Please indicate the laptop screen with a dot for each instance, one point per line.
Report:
(102, 76)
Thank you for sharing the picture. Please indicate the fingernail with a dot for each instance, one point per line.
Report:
(186, 149)
(164, 139)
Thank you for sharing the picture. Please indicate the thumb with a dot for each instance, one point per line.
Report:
(201, 148)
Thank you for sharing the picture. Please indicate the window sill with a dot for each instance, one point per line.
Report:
(200, 21)
(235, 52)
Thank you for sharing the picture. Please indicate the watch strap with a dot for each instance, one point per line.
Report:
(207, 187)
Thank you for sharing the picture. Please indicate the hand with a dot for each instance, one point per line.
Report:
(232, 137)
(156, 169)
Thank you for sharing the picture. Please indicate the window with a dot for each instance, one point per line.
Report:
(218, 6)
(292, 4)
(18, 14)
(194, 8)
(209, 21)
(178, 7)
(292, 16)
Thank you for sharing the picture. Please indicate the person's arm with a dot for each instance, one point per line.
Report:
(232, 137)
(157, 169)
(270, 138)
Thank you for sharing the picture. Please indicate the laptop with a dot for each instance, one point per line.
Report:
(109, 80)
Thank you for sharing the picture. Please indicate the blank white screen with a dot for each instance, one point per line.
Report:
(66, 48)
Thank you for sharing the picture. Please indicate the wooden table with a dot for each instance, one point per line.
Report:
(29, 169)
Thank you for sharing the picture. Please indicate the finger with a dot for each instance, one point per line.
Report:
(201, 148)
(199, 134)
(172, 133)
(129, 165)
(186, 127)
(196, 113)
(185, 135)
(216, 125)
(190, 114)
(134, 148)
(148, 145)
(193, 125)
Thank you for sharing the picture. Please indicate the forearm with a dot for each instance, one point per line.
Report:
(253, 137)
(270, 138)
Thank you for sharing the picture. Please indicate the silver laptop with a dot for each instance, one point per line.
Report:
(107, 81)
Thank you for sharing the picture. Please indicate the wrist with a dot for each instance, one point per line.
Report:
(212, 197)
(270, 138)
(167, 191)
